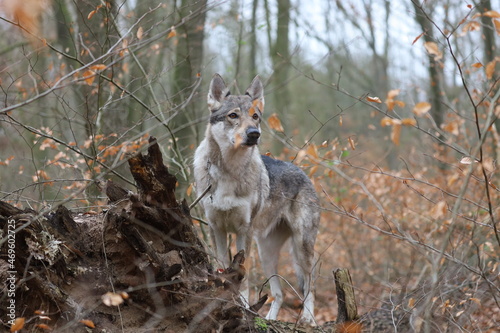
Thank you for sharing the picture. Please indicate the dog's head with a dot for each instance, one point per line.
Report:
(235, 119)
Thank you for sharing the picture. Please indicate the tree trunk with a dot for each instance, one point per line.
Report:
(280, 55)
(253, 40)
(435, 69)
(188, 68)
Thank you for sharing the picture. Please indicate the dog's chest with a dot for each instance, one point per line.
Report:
(232, 191)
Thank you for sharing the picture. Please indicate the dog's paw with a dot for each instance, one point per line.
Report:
(307, 321)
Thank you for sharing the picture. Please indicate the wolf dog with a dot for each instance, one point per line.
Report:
(253, 195)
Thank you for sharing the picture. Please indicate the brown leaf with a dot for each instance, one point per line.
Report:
(411, 302)
(172, 33)
(89, 77)
(91, 14)
(401, 104)
(27, 14)
(386, 121)
(18, 324)
(351, 143)
(350, 327)
(98, 67)
(421, 108)
(396, 133)
(43, 326)
(439, 210)
(408, 122)
(497, 26)
(492, 13)
(140, 32)
(373, 99)
(417, 38)
(490, 69)
(433, 49)
(477, 65)
(312, 150)
(313, 170)
(275, 123)
(471, 26)
(112, 299)
(88, 323)
(300, 156)
(393, 93)
(466, 160)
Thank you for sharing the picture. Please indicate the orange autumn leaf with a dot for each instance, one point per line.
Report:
(88, 77)
(490, 69)
(43, 326)
(112, 299)
(172, 33)
(433, 49)
(18, 324)
(88, 323)
(492, 13)
(98, 67)
(391, 102)
(471, 26)
(350, 327)
(275, 123)
(396, 133)
(393, 93)
(373, 99)
(351, 143)
(411, 302)
(401, 104)
(421, 108)
(466, 160)
(313, 170)
(312, 150)
(417, 38)
(408, 122)
(91, 14)
(388, 121)
(27, 14)
(477, 65)
(497, 26)
(7, 161)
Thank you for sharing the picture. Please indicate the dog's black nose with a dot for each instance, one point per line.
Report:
(253, 135)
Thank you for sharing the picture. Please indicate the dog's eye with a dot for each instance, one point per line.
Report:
(233, 115)
(255, 116)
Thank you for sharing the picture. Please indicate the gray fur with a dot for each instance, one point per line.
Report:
(255, 195)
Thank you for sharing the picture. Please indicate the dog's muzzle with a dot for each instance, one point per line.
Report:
(253, 135)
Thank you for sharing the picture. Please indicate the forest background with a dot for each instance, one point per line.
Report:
(390, 106)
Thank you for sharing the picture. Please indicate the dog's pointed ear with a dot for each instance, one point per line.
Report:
(216, 92)
(256, 92)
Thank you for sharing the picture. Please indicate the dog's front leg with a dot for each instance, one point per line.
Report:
(244, 242)
(220, 239)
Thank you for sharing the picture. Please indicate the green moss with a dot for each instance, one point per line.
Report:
(260, 324)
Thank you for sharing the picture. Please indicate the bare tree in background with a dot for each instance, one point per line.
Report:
(434, 66)
(188, 67)
(280, 55)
